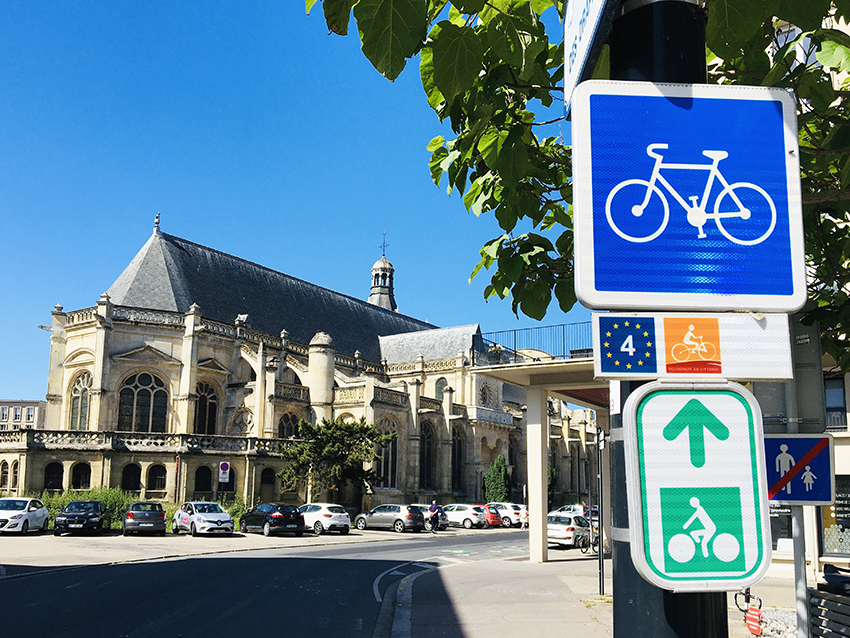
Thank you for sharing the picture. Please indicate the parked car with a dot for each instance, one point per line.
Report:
(491, 514)
(444, 520)
(22, 514)
(468, 516)
(322, 517)
(201, 517)
(80, 516)
(273, 518)
(563, 529)
(510, 513)
(144, 516)
(395, 517)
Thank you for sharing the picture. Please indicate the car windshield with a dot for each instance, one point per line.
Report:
(146, 507)
(414, 509)
(80, 507)
(478, 509)
(209, 508)
(336, 509)
(558, 520)
(13, 505)
(287, 508)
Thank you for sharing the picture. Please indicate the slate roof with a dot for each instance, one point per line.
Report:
(170, 273)
(440, 343)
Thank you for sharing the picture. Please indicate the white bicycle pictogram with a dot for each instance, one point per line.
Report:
(682, 547)
(741, 200)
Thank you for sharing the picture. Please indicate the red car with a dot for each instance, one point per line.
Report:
(494, 519)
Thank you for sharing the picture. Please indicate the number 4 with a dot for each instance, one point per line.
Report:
(628, 346)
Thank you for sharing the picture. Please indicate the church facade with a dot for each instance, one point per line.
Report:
(194, 358)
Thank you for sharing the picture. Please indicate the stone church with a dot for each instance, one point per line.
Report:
(194, 357)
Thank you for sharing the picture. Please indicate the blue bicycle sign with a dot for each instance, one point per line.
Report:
(632, 198)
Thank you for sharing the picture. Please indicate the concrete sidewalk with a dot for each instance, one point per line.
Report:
(510, 598)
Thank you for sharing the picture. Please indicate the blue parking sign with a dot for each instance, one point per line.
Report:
(687, 197)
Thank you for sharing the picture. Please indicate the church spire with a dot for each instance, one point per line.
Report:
(382, 281)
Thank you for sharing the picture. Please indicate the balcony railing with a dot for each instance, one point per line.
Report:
(564, 341)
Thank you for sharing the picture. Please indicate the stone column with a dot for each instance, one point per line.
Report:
(98, 417)
(538, 457)
(260, 393)
(186, 397)
(320, 375)
(56, 372)
(270, 372)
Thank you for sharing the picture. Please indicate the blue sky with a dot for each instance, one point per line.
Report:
(249, 129)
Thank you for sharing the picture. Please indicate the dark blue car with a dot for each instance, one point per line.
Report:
(273, 518)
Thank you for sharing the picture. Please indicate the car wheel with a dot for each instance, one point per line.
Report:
(267, 529)
(485, 525)
(125, 532)
(45, 525)
(317, 528)
(162, 532)
(57, 531)
(243, 527)
(398, 526)
(344, 530)
(175, 529)
(427, 526)
(193, 530)
(467, 523)
(25, 527)
(506, 522)
(360, 524)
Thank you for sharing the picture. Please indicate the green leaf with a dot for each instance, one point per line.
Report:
(337, 15)
(842, 9)
(565, 293)
(390, 32)
(469, 6)
(816, 87)
(436, 163)
(436, 143)
(732, 23)
(310, 4)
(805, 14)
(834, 56)
(490, 145)
(505, 41)
(458, 59)
(535, 299)
(426, 74)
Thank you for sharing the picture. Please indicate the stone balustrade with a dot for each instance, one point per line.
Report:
(479, 413)
(292, 392)
(426, 403)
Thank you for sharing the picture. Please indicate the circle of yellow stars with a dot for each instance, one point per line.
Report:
(637, 327)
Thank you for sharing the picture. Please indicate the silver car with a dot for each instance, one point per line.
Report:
(202, 517)
(144, 516)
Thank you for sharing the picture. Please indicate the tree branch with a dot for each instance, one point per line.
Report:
(829, 196)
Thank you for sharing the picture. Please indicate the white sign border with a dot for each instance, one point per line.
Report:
(583, 203)
(634, 494)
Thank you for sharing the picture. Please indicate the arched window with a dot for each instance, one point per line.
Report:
(203, 479)
(206, 409)
(386, 465)
(441, 386)
(287, 427)
(53, 476)
(427, 457)
(81, 477)
(131, 478)
(80, 402)
(267, 477)
(230, 486)
(4, 475)
(156, 478)
(484, 395)
(14, 474)
(457, 460)
(142, 404)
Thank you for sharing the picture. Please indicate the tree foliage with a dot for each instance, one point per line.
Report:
(497, 482)
(488, 68)
(332, 454)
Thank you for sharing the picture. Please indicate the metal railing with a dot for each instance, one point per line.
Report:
(564, 341)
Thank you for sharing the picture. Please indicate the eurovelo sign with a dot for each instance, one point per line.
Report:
(696, 488)
(681, 203)
(800, 468)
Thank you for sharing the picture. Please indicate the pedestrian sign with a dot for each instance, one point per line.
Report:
(697, 494)
(681, 203)
(800, 468)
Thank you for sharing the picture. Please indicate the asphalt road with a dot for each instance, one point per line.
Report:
(296, 590)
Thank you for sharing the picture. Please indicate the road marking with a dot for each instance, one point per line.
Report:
(402, 620)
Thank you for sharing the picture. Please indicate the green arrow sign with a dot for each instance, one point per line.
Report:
(695, 417)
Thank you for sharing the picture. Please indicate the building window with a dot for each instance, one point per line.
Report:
(836, 410)
(142, 404)
(4, 475)
(14, 475)
(156, 478)
(53, 476)
(4, 413)
(484, 396)
(457, 460)
(386, 465)
(287, 427)
(30, 414)
(203, 479)
(427, 458)
(441, 386)
(16, 414)
(81, 477)
(206, 409)
(80, 402)
(131, 478)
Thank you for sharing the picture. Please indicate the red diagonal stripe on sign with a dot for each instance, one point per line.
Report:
(794, 471)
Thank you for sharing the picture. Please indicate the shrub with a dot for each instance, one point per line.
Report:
(497, 482)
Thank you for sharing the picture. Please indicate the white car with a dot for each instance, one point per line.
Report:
(22, 514)
(202, 517)
(510, 513)
(563, 529)
(468, 516)
(321, 517)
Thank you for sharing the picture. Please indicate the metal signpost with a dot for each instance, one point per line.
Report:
(685, 204)
(586, 26)
(696, 487)
(800, 468)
